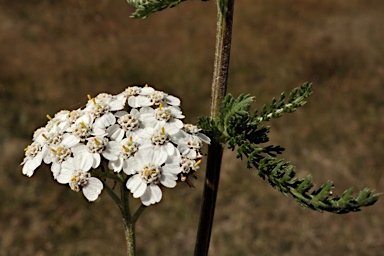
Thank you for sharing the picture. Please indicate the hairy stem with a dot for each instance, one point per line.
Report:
(129, 225)
(129, 229)
(215, 151)
(222, 54)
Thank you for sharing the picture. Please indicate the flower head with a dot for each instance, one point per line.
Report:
(137, 135)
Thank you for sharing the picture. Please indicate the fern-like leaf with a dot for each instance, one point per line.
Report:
(282, 176)
(242, 131)
(146, 7)
(276, 108)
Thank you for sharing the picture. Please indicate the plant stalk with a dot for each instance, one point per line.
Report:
(129, 229)
(222, 53)
(215, 151)
(129, 225)
(211, 185)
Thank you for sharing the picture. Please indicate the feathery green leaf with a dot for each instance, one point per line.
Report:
(242, 131)
(146, 7)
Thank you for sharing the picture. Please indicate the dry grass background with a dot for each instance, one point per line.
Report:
(54, 53)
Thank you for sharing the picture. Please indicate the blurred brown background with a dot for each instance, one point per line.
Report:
(54, 53)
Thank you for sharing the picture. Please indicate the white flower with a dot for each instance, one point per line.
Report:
(152, 169)
(63, 119)
(54, 138)
(56, 121)
(128, 124)
(51, 138)
(51, 133)
(48, 137)
(70, 118)
(66, 118)
(120, 154)
(189, 167)
(158, 97)
(137, 90)
(191, 140)
(195, 131)
(33, 157)
(157, 140)
(75, 172)
(138, 96)
(102, 123)
(104, 103)
(190, 147)
(37, 134)
(57, 155)
(168, 117)
(93, 149)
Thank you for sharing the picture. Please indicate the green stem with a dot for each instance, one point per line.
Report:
(215, 151)
(130, 237)
(123, 204)
(128, 220)
(113, 196)
(138, 212)
(129, 225)
(222, 53)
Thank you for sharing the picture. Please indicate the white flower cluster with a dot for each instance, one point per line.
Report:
(138, 132)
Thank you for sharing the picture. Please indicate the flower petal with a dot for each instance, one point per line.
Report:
(70, 140)
(115, 132)
(93, 189)
(140, 190)
(168, 180)
(96, 160)
(170, 148)
(31, 165)
(64, 176)
(173, 168)
(116, 165)
(172, 100)
(204, 138)
(159, 157)
(84, 161)
(152, 195)
(134, 182)
(127, 166)
(55, 169)
(117, 104)
(79, 149)
(112, 150)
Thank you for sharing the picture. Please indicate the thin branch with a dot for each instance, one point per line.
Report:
(113, 195)
(138, 212)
